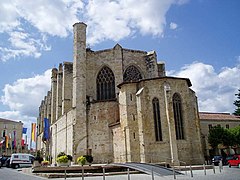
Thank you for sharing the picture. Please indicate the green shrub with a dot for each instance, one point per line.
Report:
(81, 160)
(89, 158)
(61, 154)
(38, 157)
(64, 154)
(62, 159)
(69, 157)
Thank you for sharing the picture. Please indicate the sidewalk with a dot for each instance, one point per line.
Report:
(225, 174)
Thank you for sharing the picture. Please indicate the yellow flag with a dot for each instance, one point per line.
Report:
(6, 137)
(34, 132)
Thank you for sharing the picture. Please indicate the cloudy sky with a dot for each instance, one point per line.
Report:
(197, 39)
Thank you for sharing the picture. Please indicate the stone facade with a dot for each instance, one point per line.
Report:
(102, 104)
(209, 120)
(8, 128)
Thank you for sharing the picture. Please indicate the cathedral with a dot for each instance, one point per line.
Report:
(118, 105)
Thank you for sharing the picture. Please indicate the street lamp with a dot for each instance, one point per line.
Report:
(167, 89)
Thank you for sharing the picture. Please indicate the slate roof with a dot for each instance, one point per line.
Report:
(8, 120)
(218, 116)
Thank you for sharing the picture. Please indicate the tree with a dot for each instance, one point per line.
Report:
(237, 104)
(236, 135)
(219, 135)
(226, 137)
(215, 136)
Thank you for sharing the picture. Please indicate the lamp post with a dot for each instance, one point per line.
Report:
(167, 89)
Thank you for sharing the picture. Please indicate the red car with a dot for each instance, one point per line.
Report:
(235, 161)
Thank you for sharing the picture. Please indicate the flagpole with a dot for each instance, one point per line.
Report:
(26, 144)
(31, 136)
(10, 138)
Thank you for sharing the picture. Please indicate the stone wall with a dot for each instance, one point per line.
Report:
(62, 135)
(188, 150)
(100, 116)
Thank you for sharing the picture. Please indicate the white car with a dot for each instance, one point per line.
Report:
(21, 160)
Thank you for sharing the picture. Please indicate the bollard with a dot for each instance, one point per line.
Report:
(174, 174)
(152, 174)
(213, 169)
(128, 174)
(82, 173)
(204, 168)
(103, 173)
(65, 173)
(220, 166)
(191, 171)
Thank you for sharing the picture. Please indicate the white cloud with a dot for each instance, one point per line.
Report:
(9, 16)
(115, 20)
(23, 98)
(26, 25)
(25, 95)
(215, 91)
(106, 19)
(23, 44)
(173, 25)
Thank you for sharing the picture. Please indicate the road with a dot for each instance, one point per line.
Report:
(16, 174)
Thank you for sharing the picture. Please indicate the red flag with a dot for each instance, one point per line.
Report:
(22, 142)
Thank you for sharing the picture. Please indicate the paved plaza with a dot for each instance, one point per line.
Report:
(225, 174)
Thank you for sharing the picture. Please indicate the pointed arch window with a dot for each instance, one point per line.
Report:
(157, 119)
(132, 74)
(177, 109)
(105, 84)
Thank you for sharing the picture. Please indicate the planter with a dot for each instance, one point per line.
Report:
(36, 164)
(87, 163)
(64, 163)
(45, 163)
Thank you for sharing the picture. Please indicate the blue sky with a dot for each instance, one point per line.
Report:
(197, 39)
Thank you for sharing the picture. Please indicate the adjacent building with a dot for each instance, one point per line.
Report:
(118, 106)
(209, 120)
(11, 136)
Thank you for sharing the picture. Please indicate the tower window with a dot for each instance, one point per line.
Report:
(177, 108)
(105, 84)
(157, 119)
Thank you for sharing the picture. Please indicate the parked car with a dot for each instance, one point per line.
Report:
(4, 160)
(0, 164)
(21, 160)
(216, 160)
(229, 157)
(235, 161)
(8, 162)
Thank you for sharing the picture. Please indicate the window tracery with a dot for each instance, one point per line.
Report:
(105, 84)
(157, 119)
(131, 74)
(177, 108)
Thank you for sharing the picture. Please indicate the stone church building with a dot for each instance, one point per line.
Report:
(119, 106)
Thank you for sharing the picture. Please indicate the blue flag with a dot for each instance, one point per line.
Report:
(46, 129)
(24, 131)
